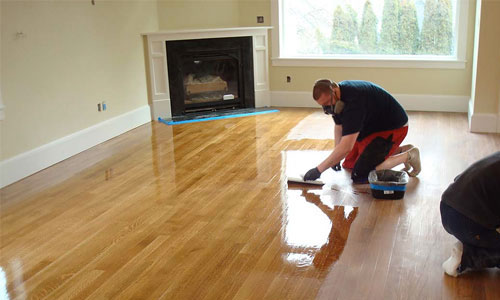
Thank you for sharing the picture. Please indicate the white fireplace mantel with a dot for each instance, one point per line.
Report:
(157, 62)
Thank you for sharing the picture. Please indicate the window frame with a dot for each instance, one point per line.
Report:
(374, 61)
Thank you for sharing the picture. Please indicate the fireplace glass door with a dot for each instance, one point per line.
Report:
(210, 81)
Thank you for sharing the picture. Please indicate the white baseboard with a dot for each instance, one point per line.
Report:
(409, 102)
(470, 111)
(2, 107)
(30, 162)
(262, 99)
(161, 108)
(484, 123)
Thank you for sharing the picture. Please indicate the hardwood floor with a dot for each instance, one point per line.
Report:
(204, 211)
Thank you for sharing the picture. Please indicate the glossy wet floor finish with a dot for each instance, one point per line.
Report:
(204, 211)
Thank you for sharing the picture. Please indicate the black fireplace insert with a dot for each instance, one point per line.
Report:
(210, 74)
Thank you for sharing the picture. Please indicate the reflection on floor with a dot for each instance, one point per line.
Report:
(315, 230)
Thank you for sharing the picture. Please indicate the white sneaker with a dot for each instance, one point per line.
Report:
(450, 266)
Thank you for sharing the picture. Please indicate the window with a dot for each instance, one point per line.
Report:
(405, 33)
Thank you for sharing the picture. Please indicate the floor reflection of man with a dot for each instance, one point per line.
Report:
(332, 249)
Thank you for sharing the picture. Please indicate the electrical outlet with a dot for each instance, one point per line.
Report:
(260, 19)
(288, 79)
(99, 107)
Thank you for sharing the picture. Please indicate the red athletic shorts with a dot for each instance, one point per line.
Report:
(398, 135)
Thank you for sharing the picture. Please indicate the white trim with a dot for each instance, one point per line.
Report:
(2, 107)
(276, 17)
(498, 118)
(484, 123)
(206, 32)
(30, 162)
(161, 108)
(444, 103)
(462, 30)
(262, 99)
(470, 112)
(354, 61)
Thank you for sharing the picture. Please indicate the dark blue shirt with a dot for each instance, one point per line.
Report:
(368, 108)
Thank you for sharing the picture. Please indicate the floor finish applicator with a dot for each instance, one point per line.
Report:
(300, 179)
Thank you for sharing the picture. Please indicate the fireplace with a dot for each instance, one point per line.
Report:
(240, 58)
(210, 74)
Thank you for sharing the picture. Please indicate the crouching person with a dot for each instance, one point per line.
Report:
(370, 125)
(470, 210)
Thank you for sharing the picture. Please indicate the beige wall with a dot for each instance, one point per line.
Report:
(195, 14)
(189, 14)
(250, 9)
(398, 81)
(72, 56)
(486, 88)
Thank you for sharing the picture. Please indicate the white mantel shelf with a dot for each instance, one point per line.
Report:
(157, 62)
(205, 30)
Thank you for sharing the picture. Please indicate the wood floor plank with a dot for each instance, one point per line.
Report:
(204, 211)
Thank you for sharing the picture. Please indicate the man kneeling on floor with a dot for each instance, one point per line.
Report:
(470, 210)
(369, 128)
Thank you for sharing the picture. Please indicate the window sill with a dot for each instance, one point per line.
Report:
(369, 62)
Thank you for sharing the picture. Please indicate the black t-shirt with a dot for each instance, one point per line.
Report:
(368, 108)
(475, 193)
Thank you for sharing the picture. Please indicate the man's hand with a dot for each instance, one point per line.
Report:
(312, 174)
(337, 167)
